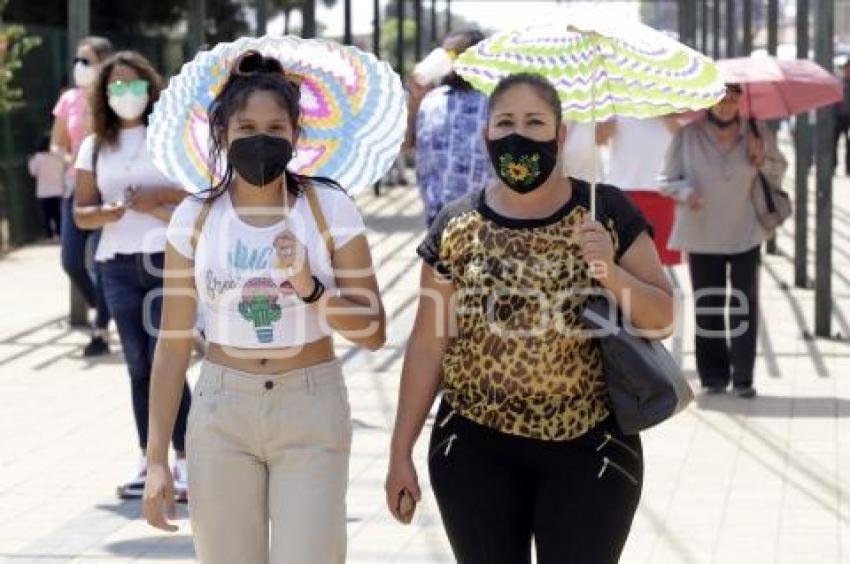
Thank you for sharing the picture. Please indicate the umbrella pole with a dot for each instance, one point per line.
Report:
(595, 168)
(593, 140)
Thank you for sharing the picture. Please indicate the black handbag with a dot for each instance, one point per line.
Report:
(645, 384)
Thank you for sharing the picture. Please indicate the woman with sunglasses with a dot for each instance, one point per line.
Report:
(710, 169)
(72, 122)
(277, 263)
(120, 191)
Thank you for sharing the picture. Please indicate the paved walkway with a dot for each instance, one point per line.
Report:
(729, 481)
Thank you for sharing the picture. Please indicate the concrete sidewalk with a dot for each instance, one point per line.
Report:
(729, 481)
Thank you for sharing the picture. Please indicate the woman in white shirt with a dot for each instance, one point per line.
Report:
(638, 148)
(121, 191)
(276, 262)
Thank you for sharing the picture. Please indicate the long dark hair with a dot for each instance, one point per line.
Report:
(106, 123)
(252, 72)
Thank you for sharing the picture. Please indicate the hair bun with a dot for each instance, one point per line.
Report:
(253, 63)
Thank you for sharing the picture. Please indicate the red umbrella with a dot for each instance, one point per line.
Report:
(778, 88)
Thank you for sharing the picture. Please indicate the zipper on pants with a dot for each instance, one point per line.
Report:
(448, 442)
(606, 462)
(446, 419)
(609, 438)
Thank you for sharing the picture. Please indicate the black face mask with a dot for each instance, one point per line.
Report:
(523, 164)
(721, 123)
(260, 159)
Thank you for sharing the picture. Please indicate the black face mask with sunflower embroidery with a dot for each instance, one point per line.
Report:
(522, 163)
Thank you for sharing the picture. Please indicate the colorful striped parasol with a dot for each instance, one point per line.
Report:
(353, 112)
(601, 68)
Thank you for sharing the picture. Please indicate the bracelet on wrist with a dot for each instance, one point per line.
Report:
(318, 290)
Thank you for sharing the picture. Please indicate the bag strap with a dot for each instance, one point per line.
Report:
(754, 128)
(95, 153)
(315, 209)
(321, 222)
(767, 192)
(199, 224)
(765, 186)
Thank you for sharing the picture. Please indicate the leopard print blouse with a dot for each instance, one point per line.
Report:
(517, 363)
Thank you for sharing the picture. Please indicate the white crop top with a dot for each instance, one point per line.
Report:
(242, 295)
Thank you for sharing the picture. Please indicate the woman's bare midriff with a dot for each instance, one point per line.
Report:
(272, 361)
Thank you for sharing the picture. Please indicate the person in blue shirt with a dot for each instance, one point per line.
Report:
(451, 158)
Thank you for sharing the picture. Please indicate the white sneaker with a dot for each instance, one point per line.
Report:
(180, 472)
(134, 486)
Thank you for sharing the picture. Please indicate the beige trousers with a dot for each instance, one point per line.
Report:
(268, 466)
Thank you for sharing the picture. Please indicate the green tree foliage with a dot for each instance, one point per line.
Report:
(389, 42)
(286, 7)
(125, 15)
(225, 18)
(14, 43)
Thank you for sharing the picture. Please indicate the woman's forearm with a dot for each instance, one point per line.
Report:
(169, 195)
(162, 213)
(92, 217)
(168, 377)
(420, 381)
(648, 307)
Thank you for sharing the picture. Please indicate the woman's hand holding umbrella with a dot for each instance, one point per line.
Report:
(597, 249)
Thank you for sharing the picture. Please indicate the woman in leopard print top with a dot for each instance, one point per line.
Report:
(524, 446)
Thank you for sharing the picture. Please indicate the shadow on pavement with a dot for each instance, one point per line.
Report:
(132, 509)
(394, 223)
(777, 406)
(159, 548)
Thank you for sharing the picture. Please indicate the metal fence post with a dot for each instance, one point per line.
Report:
(417, 17)
(347, 38)
(715, 23)
(308, 28)
(747, 24)
(262, 17)
(78, 27)
(772, 48)
(433, 23)
(196, 32)
(731, 32)
(803, 162)
(376, 28)
(400, 38)
(824, 35)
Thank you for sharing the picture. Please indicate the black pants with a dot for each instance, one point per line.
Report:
(51, 211)
(726, 353)
(496, 492)
(842, 126)
(133, 290)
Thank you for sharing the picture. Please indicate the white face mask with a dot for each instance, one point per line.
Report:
(129, 106)
(84, 75)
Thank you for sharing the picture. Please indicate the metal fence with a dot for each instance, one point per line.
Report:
(42, 77)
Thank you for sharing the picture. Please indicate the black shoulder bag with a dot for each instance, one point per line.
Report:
(645, 384)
